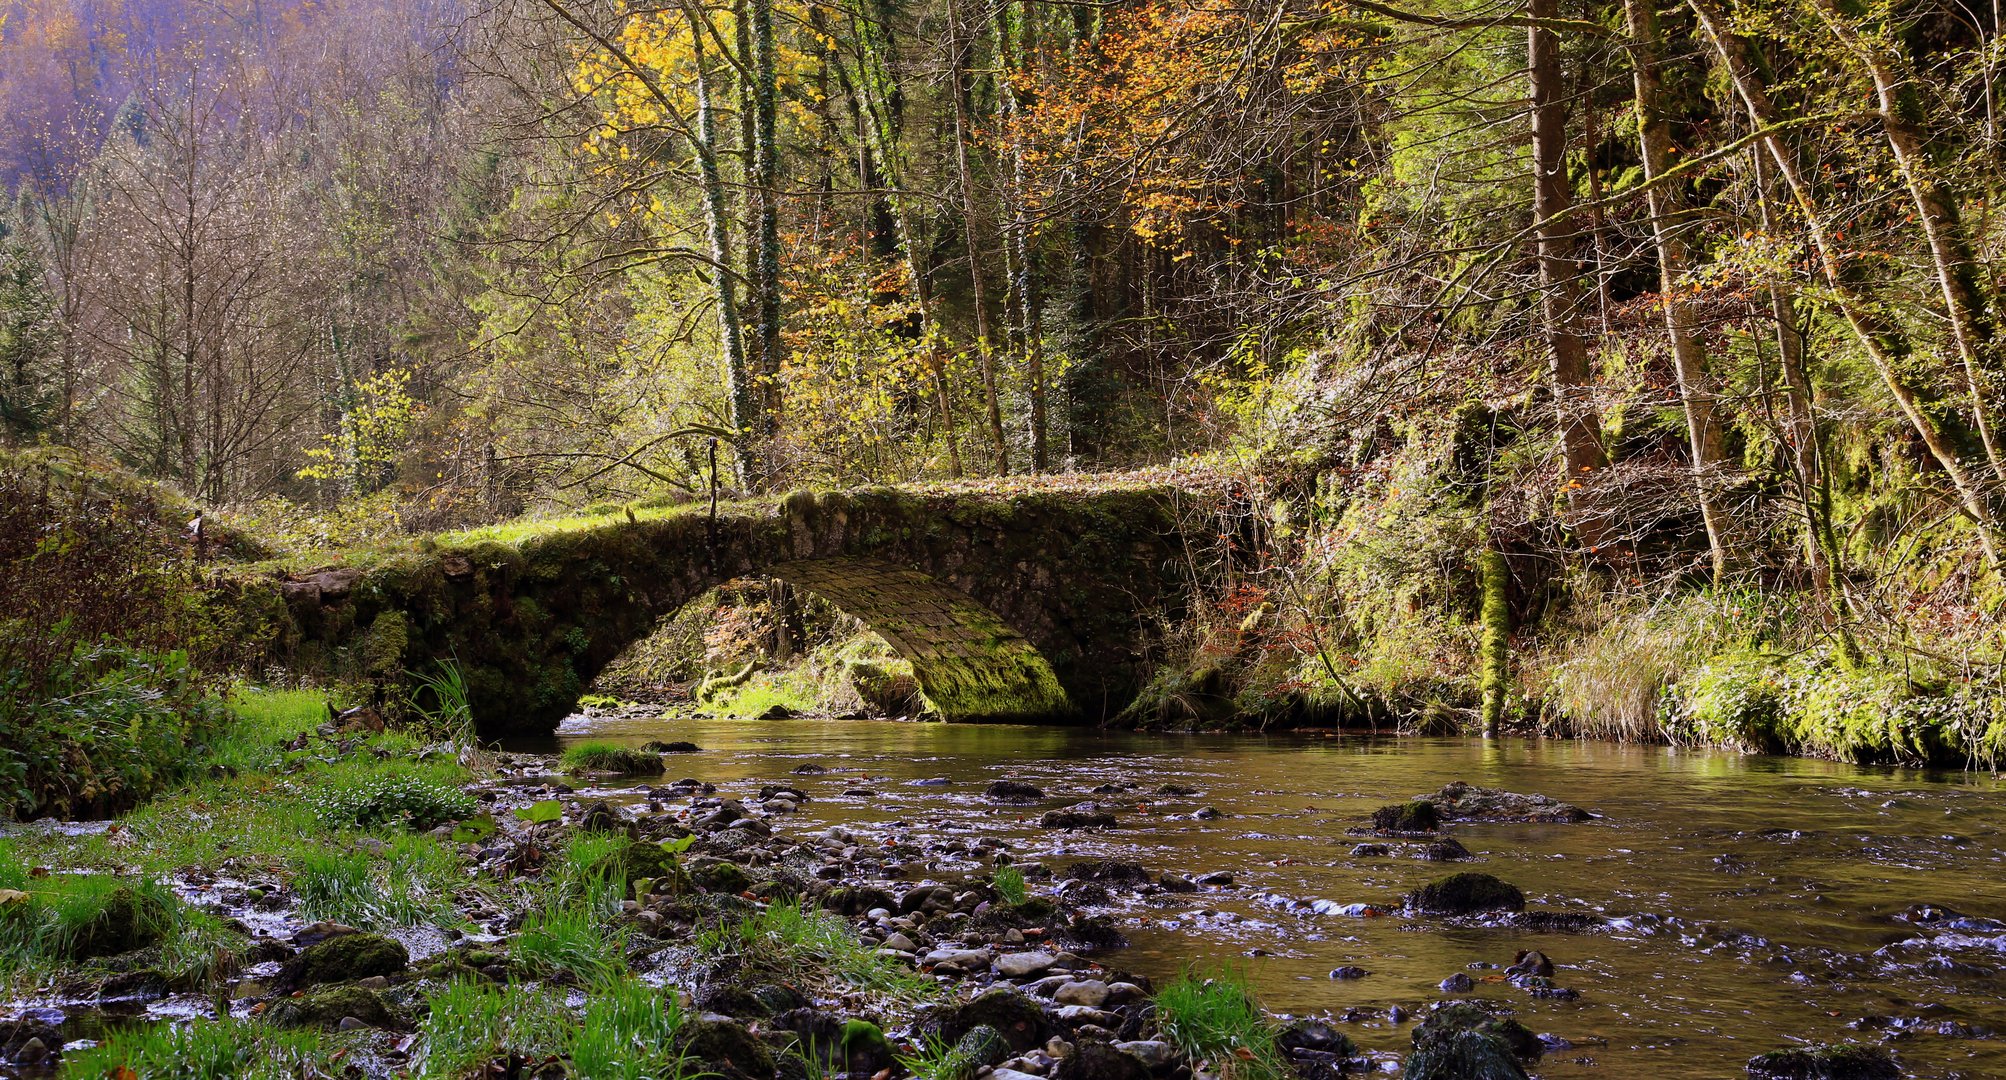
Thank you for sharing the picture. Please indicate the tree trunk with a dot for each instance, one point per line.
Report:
(738, 382)
(1581, 452)
(1688, 358)
(765, 194)
(1494, 652)
(973, 225)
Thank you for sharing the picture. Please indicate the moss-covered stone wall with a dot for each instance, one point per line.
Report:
(1020, 606)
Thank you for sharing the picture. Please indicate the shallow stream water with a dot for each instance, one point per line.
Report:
(1753, 903)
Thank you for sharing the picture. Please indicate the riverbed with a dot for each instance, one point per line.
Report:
(1740, 904)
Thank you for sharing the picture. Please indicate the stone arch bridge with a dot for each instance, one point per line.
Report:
(1027, 606)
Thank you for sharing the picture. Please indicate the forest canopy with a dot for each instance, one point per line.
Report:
(1697, 295)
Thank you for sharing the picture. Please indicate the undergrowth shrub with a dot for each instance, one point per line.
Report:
(412, 802)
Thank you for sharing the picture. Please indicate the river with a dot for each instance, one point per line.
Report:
(1751, 903)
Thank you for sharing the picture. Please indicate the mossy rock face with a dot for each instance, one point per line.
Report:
(727, 1049)
(1466, 894)
(130, 919)
(327, 1007)
(1416, 815)
(1466, 1042)
(344, 959)
(1837, 1061)
(1018, 1019)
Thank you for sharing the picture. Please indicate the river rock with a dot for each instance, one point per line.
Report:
(1023, 965)
(326, 1008)
(1176, 883)
(963, 960)
(1837, 1061)
(984, 1046)
(727, 1049)
(1459, 983)
(1466, 894)
(344, 959)
(1447, 849)
(1413, 816)
(1082, 816)
(1012, 791)
(1020, 1020)
(1459, 801)
(1091, 992)
(1094, 1059)
(1463, 1041)
(1349, 971)
(1153, 1053)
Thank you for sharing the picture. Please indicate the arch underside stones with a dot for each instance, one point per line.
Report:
(969, 663)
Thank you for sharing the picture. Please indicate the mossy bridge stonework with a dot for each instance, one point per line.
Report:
(1039, 606)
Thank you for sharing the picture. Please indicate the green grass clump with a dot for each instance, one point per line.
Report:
(809, 945)
(630, 1033)
(208, 1049)
(569, 941)
(407, 884)
(612, 758)
(70, 921)
(936, 1058)
(413, 802)
(262, 723)
(472, 1024)
(1009, 882)
(1217, 1020)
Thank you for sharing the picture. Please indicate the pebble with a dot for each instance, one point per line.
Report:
(1349, 971)
(31, 1052)
(964, 959)
(1087, 1014)
(1023, 965)
(350, 1023)
(1150, 1052)
(1090, 992)
(901, 942)
(1217, 878)
(1458, 983)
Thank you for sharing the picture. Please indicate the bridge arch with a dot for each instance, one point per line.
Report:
(1037, 607)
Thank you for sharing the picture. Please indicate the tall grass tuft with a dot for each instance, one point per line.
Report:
(630, 1033)
(206, 1048)
(1217, 1020)
(470, 1025)
(569, 941)
(1009, 882)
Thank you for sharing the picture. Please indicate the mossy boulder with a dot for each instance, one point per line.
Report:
(1017, 1018)
(1466, 894)
(1836, 1061)
(1413, 816)
(129, 919)
(720, 876)
(727, 1049)
(344, 959)
(1464, 1041)
(983, 1045)
(325, 1008)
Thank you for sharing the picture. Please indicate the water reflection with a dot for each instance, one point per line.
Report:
(1753, 901)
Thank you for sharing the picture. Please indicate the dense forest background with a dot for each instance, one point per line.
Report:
(1619, 368)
